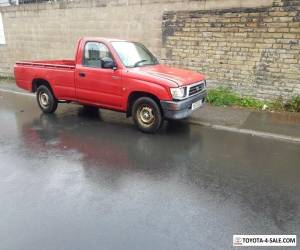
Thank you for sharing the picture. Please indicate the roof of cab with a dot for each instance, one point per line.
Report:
(103, 39)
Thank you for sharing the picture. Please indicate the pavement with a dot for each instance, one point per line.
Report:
(276, 125)
(82, 179)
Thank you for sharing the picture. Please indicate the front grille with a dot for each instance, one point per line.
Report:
(196, 89)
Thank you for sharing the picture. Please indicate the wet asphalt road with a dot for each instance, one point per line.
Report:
(89, 180)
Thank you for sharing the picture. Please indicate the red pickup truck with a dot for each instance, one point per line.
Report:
(117, 75)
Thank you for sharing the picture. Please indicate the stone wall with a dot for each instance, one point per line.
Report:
(256, 51)
(251, 45)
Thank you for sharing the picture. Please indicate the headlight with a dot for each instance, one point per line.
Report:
(178, 93)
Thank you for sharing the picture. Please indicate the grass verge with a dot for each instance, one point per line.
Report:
(223, 96)
(6, 78)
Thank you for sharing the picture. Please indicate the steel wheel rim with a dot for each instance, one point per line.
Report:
(146, 115)
(44, 99)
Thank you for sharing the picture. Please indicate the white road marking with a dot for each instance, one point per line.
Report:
(17, 92)
(248, 132)
(214, 126)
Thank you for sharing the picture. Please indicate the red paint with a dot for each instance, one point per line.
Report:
(105, 88)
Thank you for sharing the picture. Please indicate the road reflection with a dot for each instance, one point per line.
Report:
(106, 145)
(227, 167)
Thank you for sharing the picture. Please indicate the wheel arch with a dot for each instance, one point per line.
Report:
(133, 96)
(37, 82)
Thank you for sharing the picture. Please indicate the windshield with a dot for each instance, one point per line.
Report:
(134, 54)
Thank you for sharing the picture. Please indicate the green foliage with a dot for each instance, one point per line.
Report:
(277, 104)
(223, 96)
(293, 105)
(6, 78)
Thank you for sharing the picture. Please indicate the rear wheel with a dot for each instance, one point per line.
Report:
(46, 100)
(147, 115)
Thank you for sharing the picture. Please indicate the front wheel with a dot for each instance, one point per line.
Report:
(46, 99)
(147, 115)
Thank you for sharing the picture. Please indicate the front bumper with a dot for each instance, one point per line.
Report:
(181, 109)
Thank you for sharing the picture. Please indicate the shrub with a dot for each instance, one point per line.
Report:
(223, 96)
(226, 97)
(293, 105)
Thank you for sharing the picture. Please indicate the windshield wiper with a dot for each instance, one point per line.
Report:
(141, 61)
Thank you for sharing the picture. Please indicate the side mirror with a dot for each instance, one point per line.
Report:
(108, 63)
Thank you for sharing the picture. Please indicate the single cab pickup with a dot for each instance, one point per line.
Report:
(117, 75)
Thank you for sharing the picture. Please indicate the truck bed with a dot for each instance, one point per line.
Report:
(60, 73)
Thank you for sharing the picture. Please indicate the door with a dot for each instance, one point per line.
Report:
(95, 84)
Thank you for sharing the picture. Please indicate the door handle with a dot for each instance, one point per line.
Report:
(115, 77)
(81, 74)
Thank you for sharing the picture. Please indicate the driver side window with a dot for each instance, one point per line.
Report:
(94, 52)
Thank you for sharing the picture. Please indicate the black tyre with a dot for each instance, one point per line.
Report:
(147, 115)
(46, 100)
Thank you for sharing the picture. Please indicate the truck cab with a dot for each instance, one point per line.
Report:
(118, 75)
